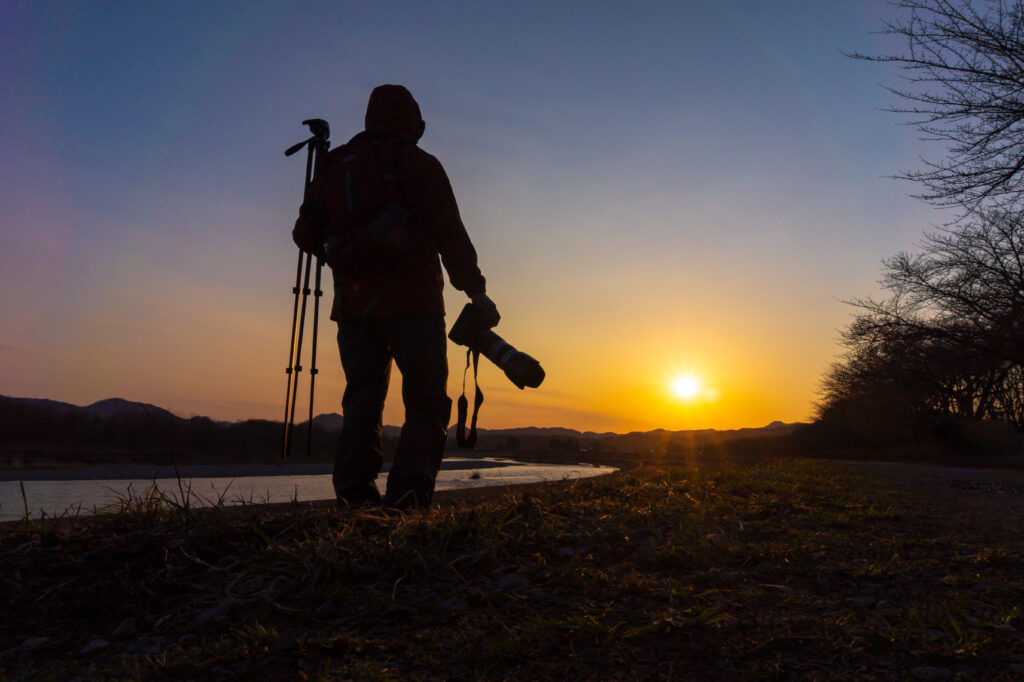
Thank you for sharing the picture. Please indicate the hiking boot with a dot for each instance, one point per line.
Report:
(406, 501)
(360, 497)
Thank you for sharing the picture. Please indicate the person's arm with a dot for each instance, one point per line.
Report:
(439, 211)
(453, 243)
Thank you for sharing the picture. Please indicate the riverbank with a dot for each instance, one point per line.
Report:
(791, 570)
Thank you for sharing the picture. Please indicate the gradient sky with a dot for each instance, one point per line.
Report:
(653, 188)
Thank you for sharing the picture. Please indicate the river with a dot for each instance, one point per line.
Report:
(69, 497)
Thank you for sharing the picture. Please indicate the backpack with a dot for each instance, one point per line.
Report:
(369, 233)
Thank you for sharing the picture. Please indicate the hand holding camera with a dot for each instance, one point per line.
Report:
(487, 307)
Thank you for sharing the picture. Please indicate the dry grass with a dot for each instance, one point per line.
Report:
(783, 571)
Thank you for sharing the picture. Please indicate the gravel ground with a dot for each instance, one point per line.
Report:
(983, 497)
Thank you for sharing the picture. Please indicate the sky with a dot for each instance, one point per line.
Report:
(655, 189)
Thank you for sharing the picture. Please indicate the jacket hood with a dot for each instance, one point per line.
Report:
(392, 112)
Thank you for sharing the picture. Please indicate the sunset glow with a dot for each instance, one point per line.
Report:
(655, 241)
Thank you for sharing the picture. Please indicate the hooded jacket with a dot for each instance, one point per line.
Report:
(427, 194)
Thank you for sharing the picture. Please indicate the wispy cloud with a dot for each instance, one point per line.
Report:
(27, 350)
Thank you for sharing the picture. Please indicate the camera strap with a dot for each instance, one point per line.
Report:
(461, 438)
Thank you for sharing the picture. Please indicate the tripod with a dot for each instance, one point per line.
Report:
(316, 147)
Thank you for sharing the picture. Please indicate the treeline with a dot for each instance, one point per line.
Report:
(940, 357)
(649, 442)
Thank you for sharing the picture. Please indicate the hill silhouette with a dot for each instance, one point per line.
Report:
(37, 432)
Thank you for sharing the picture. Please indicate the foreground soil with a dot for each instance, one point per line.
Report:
(786, 570)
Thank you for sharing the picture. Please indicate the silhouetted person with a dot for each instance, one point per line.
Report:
(381, 211)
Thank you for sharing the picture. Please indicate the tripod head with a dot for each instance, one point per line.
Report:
(321, 130)
(319, 127)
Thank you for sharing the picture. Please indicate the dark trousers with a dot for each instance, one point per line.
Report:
(418, 345)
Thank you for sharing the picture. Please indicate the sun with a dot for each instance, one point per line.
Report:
(686, 386)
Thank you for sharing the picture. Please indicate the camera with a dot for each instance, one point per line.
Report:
(471, 330)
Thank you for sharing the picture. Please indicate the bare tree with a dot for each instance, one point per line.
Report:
(966, 287)
(948, 339)
(1011, 398)
(964, 68)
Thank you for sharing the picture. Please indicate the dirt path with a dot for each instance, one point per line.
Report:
(988, 500)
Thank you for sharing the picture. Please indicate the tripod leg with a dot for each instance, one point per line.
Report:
(313, 371)
(298, 357)
(289, 370)
(316, 147)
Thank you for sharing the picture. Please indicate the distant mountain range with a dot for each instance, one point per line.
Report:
(39, 411)
(104, 409)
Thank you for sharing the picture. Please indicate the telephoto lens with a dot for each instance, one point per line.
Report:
(471, 330)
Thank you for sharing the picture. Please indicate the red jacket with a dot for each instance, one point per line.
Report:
(426, 193)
